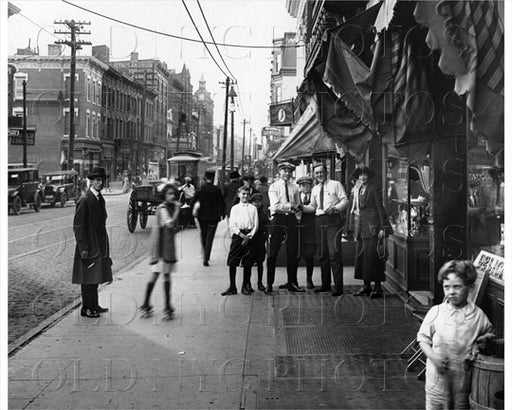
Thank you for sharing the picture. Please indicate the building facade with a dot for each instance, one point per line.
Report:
(204, 107)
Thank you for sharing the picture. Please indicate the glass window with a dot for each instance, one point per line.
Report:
(18, 85)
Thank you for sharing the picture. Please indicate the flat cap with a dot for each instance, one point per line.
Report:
(286, 164)
(305, 180)
(234, 175)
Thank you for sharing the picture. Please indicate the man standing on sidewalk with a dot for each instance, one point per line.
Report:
(284, 204)
(328, 202)
(92, 264)
(211, 208)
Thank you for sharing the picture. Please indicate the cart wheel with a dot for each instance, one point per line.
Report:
(16, 205)
(37, 202)
(131, 214)
(143, 218)
(63, 199)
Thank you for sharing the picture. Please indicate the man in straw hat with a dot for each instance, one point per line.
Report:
(92, 264)
(284, 204)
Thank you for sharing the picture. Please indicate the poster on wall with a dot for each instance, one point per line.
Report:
(492, 264)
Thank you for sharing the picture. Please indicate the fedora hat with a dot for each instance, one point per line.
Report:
(286, 164)
(98, 172)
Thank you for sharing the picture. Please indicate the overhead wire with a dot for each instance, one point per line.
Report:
(213, 39)
(201, 37)
(194, 40)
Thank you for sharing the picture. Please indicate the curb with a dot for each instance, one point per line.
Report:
(57, 316)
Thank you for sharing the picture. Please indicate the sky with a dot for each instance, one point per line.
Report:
(244, 22)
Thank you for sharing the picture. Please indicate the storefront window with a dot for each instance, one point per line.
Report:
(408, 197)
(486, 185)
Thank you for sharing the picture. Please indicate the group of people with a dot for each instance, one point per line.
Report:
(306, 217)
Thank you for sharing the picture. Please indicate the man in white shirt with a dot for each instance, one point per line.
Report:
(188, 192)
(284, 204)
(328, 201)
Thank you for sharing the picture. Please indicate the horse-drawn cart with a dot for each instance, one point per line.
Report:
(143, 202)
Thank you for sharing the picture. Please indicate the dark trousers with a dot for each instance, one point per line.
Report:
(329, 229)
(208, 230)
(283, 230)
(90, 296)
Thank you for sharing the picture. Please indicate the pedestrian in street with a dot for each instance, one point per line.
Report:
(187, 193)
(449, 337)
(328, 202)
(126, 182)
(243, 224)
(371, 225)
(307, 230)
(284, 204)
(209, 208)
(163, 248)
(231, 191)
(92, 264)
(263, 189)
(258, 248)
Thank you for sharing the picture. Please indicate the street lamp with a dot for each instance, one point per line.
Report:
(232, 94)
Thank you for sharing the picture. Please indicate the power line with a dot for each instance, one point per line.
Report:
(213, 39)
(38, 25)
(201, 37)
(171, 35)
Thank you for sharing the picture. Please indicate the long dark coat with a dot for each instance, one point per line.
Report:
(230, 194)
(91, 235)
(212, 206)
(370, 252)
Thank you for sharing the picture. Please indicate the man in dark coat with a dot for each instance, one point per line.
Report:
(231, 190)
(92, 264)
(211, 209)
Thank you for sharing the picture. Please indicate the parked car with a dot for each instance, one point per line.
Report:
(60, 186)
(24, 189)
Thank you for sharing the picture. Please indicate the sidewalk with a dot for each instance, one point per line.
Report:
(283, 351)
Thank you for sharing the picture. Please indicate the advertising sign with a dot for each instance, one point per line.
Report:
(271, 132)
(281, 114)
(16, 136)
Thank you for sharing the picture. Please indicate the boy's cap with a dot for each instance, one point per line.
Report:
(256, 195)
(287, 165)
(248, 178)
(305, 180)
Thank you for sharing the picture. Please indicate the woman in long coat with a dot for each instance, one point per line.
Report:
(92, 264)
(371, 226)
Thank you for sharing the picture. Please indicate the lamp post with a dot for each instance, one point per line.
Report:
(232, 94)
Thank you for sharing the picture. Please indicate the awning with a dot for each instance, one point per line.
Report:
(306, 139)
(469, 35)
(183, 158)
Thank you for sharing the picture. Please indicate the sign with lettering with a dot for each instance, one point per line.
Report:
(281, 114)
(16, 136)
(271, 132)
(489, 263)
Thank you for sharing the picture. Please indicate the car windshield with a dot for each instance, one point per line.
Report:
(17, 178)
(55, 179)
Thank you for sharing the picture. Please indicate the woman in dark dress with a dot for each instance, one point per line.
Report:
(371, 226)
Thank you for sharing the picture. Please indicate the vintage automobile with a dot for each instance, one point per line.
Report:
(24, 189)
(60, 186)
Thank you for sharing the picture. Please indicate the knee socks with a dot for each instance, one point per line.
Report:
(260, 272)
(232, 277)
(167, 290)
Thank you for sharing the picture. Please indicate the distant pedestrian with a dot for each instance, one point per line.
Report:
(231, 191)
(263, 189)
(258, 246)
(284, 204)
(163, 248)
(92, 264)
(125, 182)
(209, 208)
(243, 225)
(449, 336)
(371, 225)
(187, 193)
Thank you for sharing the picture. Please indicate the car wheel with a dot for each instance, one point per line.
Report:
(37, 202)
(16, 205)
(63, 199)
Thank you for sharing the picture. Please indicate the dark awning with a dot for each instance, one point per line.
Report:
(306, 139)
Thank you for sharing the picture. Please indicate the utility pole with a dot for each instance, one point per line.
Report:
(243, 145)
(225, 136)
(24, 124)
(232, 158)
(75, 28)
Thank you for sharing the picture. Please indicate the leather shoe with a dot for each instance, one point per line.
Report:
(229, 291)
(362, 292)
(99, 309)
(249, 288)
(245, 290)
(285, 286)
(375, 294)
(323, 289)
(89, 313)
(310, 284)
(292, 287)
(205, 263)
(337, 293)
(261, 288)
(269, 290)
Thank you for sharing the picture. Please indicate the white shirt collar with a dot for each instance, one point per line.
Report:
(96, 193)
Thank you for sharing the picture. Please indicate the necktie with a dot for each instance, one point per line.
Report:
(101, 200)
(321, 196)
(286, 190)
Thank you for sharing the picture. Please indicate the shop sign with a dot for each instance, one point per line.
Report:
(491, 264)
(281, 114)
(271, 132)
(16, 136)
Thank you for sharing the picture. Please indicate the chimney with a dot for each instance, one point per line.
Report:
(54, 49)
(101, 53)
(134, 56)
